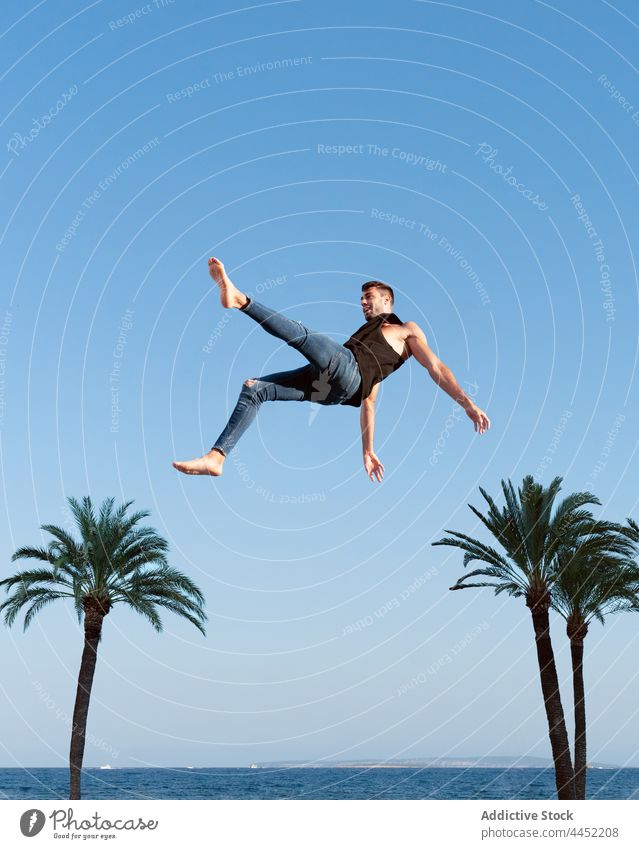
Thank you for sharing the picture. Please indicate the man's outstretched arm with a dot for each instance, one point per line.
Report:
(443, 376)
(372, 464)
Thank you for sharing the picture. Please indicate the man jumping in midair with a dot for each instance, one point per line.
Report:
(336, 374)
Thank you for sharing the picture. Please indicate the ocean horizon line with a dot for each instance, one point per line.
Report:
(368, 763)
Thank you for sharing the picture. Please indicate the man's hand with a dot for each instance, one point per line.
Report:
(373, 466)
(478, 418)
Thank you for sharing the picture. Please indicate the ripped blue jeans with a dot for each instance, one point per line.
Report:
(331, 377)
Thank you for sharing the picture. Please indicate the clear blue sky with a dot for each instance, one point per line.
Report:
(491, 181)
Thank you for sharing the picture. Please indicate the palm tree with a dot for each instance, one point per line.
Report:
(115, 561)
(530, 535)
(595, 577)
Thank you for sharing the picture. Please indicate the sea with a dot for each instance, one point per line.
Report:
(315, 783)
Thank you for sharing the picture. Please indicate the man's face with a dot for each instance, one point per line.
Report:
(374, 302)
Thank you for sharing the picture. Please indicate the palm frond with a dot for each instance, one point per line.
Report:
(32, 576)
(63, 537)
(37, 605)
(31, 552)
(476, 550)
(25, 595)
(145, 607)
(462, 586)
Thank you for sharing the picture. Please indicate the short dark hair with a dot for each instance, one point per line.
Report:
(377, 284)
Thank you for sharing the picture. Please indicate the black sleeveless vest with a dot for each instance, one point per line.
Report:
(375, 357)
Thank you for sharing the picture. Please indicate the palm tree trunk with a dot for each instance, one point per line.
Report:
(577, 656)
(564, 774)
(93, 617)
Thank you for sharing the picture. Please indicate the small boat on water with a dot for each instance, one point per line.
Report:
(106, 766)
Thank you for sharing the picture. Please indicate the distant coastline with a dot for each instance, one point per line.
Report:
(425, 763)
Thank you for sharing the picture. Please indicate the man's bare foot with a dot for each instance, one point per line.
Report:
(230, 296)
(209, 464)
